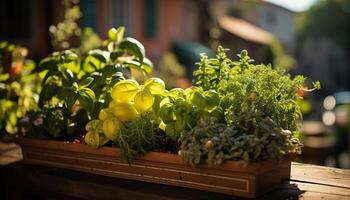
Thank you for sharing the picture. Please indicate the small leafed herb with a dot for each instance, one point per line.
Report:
(262, 115)
(136, 137)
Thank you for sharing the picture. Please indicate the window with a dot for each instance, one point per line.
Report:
(151, 18)
(119, 14)
(89, 18)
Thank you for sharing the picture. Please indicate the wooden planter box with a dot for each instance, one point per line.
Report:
(231, 178)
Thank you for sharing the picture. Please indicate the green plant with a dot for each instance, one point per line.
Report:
(137, 137)
(327, 19)
(213, 143)
(261, 110)
(67, 33)
(212, 70)
(258, 91)
(129, 120)
(18, 86)
(75, 83)
(181, 109)
(236, 110)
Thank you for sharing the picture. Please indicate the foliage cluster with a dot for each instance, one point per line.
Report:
(75, 87)
(236, 110)
(18, 86)
(261, 110)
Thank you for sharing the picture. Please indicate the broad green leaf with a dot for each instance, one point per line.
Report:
(97, 84)
(48, 63)
(10, 128)
(166, 113)
(155, 85)
(69, 56)
(133, 47)
(94, 126)
(12, 119)
(156, 104)
(50, 74)
(123, 111)
(112, 34)
(4, 77)
(116, 34)
(147, 66)
(92, 139)
(68, 94)
(143, 101)
(125, 91)
(90, 64)
(134, 64)
(111, 128)
(47, 92)
(70, 100)
(74, 66)
(109, 70)
(171, 132)
(115, 54)
(86, 82)
(75, 86)
(100, 55)
(103, 140)
(115, 78)
(86, 98)
(88, 93)
(68, 77)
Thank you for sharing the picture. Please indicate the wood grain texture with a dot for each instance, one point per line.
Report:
(231, 178)
(321, 175)
(56, 183)
(60, 182)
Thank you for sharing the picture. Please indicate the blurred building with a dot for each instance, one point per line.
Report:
(237, 34)
(278, 21)
(156, 23)
(26, 23)
(160, 25)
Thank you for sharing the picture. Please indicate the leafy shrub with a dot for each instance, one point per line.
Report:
(261, 111)
(19, 86)
(78, 85)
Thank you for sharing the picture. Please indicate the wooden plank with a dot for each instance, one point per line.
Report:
(51, 182)
(47, 181)
(114, 154)
(231, 178)
(320, 175)
(322, 190)
(309, 191)
(316, 188)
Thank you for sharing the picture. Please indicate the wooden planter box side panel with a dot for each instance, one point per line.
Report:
(231, 178)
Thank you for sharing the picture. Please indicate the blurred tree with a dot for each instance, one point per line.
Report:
(328, 18)
(324, 44)
(275, 55)
(68, 34)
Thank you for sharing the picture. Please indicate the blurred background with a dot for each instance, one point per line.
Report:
(309, 37)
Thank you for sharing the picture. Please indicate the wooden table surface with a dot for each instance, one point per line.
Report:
(35, 182)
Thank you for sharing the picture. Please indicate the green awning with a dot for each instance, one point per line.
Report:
(188, 53)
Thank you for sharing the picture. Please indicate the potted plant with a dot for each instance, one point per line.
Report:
(234, 131)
